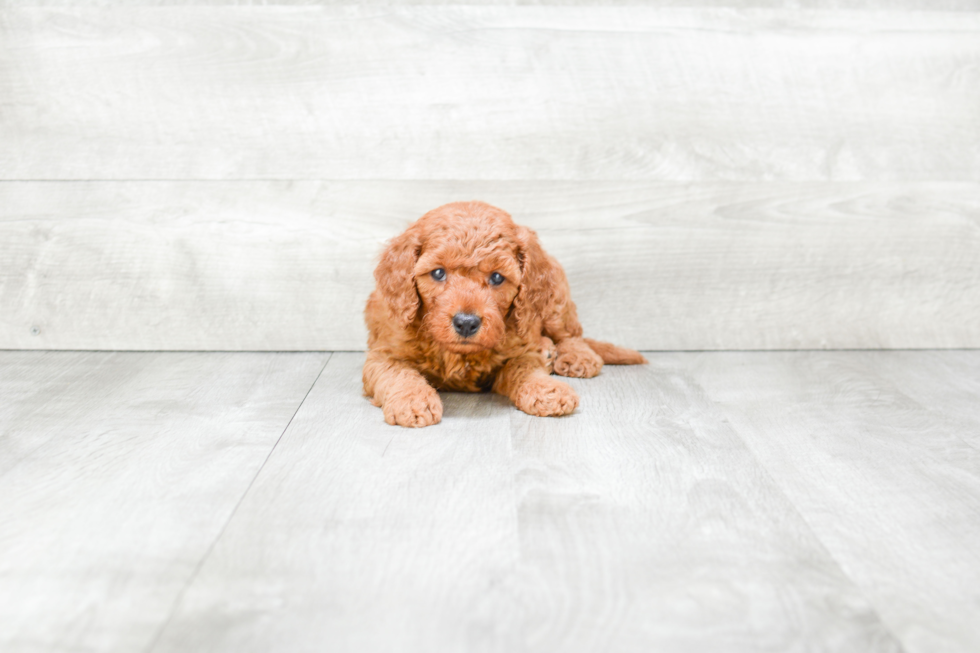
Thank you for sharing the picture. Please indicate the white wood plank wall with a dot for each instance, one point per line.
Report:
(749, 176)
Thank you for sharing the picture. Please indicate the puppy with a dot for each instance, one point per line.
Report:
(467, 300)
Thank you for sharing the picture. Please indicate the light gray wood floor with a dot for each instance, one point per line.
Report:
(706, 502)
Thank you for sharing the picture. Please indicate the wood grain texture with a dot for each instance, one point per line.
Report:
(641, 523)
(468, 92)
(126, 467)
(647, 525)
(879, 452)
(39, 390)
(789, 501)
(288, 265)
(359, 536)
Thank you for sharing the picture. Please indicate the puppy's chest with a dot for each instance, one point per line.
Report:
(467, 373)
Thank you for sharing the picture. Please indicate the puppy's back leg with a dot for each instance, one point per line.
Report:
(613, 355)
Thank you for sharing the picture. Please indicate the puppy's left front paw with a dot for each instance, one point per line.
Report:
(544, 396)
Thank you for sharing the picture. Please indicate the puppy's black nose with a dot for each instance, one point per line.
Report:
(466, 324)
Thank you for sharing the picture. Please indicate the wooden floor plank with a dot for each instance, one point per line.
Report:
(359, 536)
(944, 384)
(646, 525)
(641, 523)
(129, 466)
(39, 389)
(818, 501)
(265, 265)
(878, 451)
(505, 92)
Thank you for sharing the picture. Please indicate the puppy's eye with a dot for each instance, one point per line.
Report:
(496, 279)
(438, 274)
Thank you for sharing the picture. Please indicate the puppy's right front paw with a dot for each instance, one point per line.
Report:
(414, 408)
(546, 397)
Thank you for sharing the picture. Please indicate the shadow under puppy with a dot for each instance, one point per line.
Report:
(467, 300)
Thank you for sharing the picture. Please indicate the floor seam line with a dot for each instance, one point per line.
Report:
(207, 554)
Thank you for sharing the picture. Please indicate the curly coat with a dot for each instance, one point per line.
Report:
(448, 264)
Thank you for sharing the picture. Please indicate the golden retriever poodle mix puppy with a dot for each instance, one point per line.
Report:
(467, 300)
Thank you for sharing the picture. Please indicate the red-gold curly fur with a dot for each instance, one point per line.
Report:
(528, 327)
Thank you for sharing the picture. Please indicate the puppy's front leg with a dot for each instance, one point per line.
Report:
(526, 382)
(403, 394)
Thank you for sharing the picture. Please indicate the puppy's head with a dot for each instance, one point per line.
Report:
(458, 271)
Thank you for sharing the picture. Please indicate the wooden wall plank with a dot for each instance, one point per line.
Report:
(898, 504)
(129, 476)
(465, 92)
(288, 265)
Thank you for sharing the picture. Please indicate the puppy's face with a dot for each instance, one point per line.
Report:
(467, 291)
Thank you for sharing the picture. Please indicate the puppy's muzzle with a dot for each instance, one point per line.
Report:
(466, 324)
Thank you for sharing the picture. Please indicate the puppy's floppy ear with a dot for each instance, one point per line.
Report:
(535, 297)
(395, 275)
